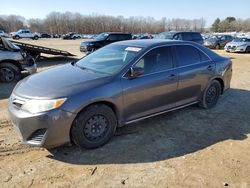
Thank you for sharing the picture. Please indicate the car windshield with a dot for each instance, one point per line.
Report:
(241, 40)
(165, 36)
(110, 59)
(213, 38)
(101, 36)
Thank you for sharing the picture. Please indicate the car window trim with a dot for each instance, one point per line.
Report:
(175, 61)
(165, 45)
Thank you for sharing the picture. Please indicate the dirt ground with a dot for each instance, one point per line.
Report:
(191, 147)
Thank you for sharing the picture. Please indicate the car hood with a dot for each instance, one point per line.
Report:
(62, 81)
(90, 41)
(236, 43)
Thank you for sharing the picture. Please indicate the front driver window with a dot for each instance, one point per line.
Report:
(112, 37)
(156, 60)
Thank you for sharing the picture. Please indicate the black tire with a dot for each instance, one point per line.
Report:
(16, 37)
(94, 127)
(9, 72)
(217, 47)
(35, 37)
(211, 95)
(248, 49)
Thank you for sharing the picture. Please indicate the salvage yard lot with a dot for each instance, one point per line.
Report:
(191, 147)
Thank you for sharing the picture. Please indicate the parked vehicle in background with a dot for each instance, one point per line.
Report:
(3, 34)
(71, 36)
(89, 36)
(56, 36)
(46, 35)
(24, 33)
(238, 45)
(142, 36)
(119, 84)
(13, 61)
(217, 41)
(186, 36)
(103, 39)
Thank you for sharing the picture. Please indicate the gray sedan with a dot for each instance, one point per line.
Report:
(85, 101)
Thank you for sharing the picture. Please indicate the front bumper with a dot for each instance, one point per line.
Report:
(47, 129)
(86, 48)
(235, 48)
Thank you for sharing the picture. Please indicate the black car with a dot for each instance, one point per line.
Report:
(103, 39)
(218, 41)
(121, 83)
(46, 35)
(186, 36)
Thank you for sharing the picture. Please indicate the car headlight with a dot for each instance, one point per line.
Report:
(37, 106)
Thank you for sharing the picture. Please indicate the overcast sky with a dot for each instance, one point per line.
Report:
(189, 9)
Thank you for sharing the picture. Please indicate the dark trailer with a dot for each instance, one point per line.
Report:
(35, 50)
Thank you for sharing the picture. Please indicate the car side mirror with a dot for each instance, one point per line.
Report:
(136, 71)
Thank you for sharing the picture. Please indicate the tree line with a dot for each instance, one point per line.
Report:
(231, 24)
(61, 23)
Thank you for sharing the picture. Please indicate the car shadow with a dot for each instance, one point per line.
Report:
(170, 135)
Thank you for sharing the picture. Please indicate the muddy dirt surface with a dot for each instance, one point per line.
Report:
(190, 147)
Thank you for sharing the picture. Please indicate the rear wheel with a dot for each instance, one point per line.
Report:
(16, 37)
(94, 126)
(35, 37)
(248, 49)
(9, 72)
(211, 95)
(217, 47)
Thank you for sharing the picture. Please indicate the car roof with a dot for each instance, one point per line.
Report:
(118, 33)
(152, 42)
(174, 32)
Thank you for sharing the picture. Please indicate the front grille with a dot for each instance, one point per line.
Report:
(37, 136)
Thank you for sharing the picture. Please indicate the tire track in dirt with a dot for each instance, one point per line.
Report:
(4, 123)
(17, 149)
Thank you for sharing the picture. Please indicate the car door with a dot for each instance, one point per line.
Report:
(155, 90)
(194, 69)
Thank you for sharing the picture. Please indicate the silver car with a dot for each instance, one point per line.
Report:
(238, 45)
(13, 61)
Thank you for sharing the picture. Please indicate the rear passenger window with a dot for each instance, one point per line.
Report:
(196, 36)
(187, 36)
(124, 37)
(156, 60)
(188, 55)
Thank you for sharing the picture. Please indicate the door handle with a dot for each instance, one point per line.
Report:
(210, 67)
(172, 76)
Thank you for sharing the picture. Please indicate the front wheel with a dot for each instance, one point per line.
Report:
(211, 95)
(248, 49)
(94, 126)
(35, 38)
(217, 47)
(9, 72)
